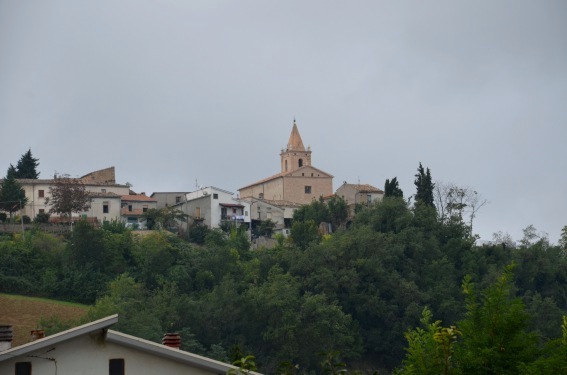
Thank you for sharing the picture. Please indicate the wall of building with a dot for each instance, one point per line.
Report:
(90, 355)
(294, 188)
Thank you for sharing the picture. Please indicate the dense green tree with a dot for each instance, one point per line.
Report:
(338, 211)
(163, 218)
(317, 211)
(392, 189)
(12, 195)
(304, 233)
(27, 166)
(424, 186)
(495, 337)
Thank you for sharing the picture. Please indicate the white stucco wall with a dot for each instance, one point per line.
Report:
(90, 355)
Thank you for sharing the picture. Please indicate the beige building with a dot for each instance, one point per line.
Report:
(104, 193)
(355, 194)
(298, 182)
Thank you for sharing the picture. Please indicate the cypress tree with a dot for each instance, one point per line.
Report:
(424, 185)
(27, 166)
(391, 188)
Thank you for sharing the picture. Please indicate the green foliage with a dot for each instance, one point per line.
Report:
(163, 218)
(266, 228)
(114, 226)
(27, 166)
(198, 233)
(392, 189)
(424, 185)
(338, 211)
(304, 233)
(495, 337)
(42, 217)
(430, 349)
(12, 195)
(316, 211)
(26, 219)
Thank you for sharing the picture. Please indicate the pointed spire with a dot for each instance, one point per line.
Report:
(295, 142)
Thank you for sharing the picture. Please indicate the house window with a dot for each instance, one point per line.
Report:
(41, 211)
(215, 196)
(145, 209)
(104, 207)
(129, 208)
(261, 195)
(116, 366)
(368, 198)
(177, 199)
(307, 189)
(41, 193)
(198, 212)
(103, 190)
(23, 368)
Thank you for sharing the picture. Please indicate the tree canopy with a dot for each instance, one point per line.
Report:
(68, 196)
(424, 186)
(27, 166)
(12, 195)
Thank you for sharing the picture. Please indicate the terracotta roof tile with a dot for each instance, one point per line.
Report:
(138, 198)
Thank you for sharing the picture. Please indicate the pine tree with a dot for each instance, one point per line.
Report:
(391, 188)
(27, 166)
(12, 196)
(424, 186)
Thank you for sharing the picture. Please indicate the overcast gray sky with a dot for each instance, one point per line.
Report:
(174, 91)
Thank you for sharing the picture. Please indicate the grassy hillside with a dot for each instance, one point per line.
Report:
(24, 313)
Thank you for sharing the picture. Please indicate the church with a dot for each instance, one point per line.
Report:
(298, 182)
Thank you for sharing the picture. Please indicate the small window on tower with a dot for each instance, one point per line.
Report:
(300, 163)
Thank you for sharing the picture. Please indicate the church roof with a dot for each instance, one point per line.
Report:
(295, 142)
(284, 174)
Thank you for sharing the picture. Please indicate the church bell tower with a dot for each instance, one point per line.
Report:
(295, 156)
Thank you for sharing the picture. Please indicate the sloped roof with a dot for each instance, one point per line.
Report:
(138, 198)
(295, 143)
(365, 188)
(284, 174)
(118, 339)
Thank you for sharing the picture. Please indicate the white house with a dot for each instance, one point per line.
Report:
(94, 349)
(212, 207)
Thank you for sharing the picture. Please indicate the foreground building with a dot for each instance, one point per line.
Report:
(94, 349)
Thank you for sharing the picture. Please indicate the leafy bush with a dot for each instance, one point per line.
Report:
(26, 219)
(42, 217)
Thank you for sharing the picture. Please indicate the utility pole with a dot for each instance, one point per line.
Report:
(22, 220)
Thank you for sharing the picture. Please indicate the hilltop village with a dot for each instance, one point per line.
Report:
(274, 198)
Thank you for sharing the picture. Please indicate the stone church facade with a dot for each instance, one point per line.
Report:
(298, 182)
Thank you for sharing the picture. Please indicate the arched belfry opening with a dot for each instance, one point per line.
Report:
(300, 163)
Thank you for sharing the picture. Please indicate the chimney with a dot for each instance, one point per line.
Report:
(5, 337)
(173, 340)
(37, 334)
